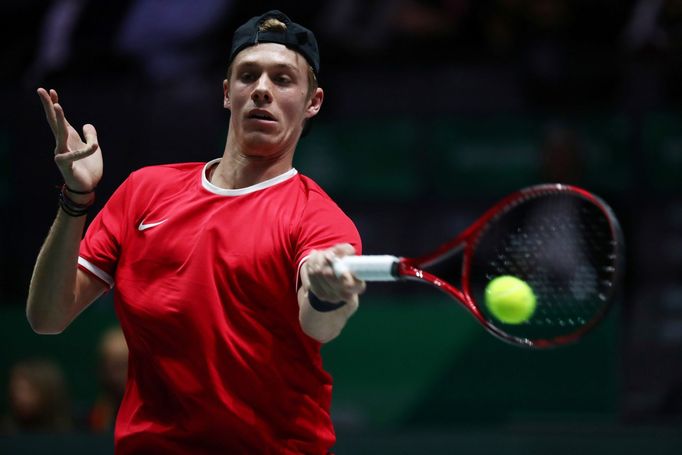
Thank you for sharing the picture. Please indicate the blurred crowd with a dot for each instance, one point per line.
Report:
(174, 43)
(40, 397)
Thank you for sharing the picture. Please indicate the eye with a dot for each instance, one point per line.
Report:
(247, 77)
(282, 79)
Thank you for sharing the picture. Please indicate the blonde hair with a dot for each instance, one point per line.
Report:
(272, 23)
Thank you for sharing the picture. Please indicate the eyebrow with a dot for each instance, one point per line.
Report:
(254, 63)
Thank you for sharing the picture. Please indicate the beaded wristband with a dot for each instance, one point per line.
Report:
(70, 207)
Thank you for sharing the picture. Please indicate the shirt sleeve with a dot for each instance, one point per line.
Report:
(323, 225)
(101, 246)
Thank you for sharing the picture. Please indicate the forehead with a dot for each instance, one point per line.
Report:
(270, 54)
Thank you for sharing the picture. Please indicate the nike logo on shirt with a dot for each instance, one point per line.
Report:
(144, 226)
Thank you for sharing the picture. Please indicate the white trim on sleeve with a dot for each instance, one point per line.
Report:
(101, 274)
(298, 270)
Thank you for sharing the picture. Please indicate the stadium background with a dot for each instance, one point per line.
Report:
(433, 110)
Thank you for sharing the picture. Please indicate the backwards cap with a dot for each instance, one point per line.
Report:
(295, 37)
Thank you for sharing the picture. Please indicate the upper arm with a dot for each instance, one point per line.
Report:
(88, 289)
(322, 225)
(100, 248)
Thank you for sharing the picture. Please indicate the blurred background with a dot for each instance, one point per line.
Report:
(433, 110)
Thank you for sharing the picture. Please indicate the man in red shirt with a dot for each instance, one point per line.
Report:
(221, 271)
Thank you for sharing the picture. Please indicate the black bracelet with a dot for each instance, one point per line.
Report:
(72, 208)
(321, 305)
(78, 192)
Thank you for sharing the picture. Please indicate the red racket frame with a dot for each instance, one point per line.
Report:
(411, 268)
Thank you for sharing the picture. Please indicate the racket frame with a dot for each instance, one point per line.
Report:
(388, 268)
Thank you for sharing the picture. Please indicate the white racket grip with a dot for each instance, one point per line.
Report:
(368, 268)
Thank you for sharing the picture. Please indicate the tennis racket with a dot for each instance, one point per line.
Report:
(565, 242)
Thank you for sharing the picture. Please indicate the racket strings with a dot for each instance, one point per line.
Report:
(562, 246)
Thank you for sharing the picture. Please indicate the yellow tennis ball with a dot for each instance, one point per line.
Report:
(510, 299)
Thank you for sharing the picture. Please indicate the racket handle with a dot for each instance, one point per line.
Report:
(368, 268)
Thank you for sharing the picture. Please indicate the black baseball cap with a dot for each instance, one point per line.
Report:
(295, 37)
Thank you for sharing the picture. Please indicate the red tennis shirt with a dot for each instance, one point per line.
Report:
(204, 284)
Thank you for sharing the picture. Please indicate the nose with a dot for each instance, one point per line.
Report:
(261, 92)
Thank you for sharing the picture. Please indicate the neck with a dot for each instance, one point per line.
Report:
(239, 169)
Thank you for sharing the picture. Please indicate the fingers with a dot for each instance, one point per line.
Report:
(318, 275)
(48, 107)
(61, 132)
(341, 250)
(62, 129)
(68, 157)
(55, 116)
(90, 147)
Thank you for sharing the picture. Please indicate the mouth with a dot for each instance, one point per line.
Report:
(258, 114)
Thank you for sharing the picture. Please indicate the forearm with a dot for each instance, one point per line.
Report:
(58, 292)
(324, 326)
(51, 303)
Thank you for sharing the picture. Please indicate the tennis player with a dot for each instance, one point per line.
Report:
(221, 271)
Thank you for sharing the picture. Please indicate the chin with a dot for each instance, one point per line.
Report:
(260, 144)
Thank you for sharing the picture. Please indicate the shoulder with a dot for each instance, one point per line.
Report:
(164, 171)
(165, 175)
(154, 181)
(317, 203)
(315, 199)
(322, 222)
(312, 191)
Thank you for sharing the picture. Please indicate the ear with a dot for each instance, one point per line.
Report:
(226, 94)
(315, 103)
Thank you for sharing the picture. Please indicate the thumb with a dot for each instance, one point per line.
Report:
(343, 249)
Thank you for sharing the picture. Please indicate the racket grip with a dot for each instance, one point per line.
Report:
(368, 268)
